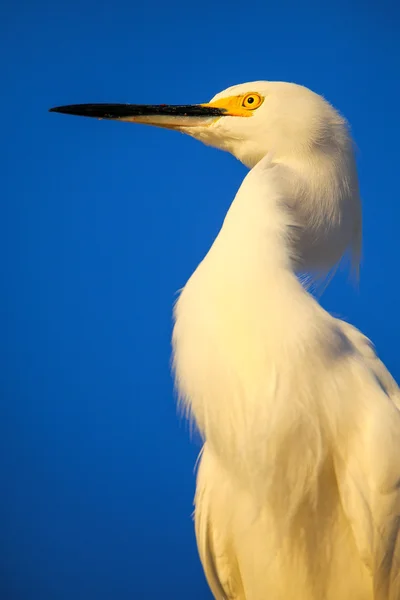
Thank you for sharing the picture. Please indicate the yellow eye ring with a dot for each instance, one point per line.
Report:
(252, 101)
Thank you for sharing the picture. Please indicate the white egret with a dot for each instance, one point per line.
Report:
(298, 490)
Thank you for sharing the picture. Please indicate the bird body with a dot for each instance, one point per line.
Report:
(302, 442)
(298, 487)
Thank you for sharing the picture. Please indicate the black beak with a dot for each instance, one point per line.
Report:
(134, 112)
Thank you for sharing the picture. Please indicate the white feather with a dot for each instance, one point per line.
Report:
(298, 487)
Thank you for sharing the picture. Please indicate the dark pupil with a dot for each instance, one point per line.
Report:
(250, 100)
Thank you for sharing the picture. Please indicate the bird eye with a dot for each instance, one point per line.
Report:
(252, 101)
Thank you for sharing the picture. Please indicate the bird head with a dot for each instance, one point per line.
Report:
(248, 120)
(297, 128)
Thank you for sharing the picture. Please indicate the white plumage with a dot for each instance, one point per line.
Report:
(298, 486)
(298, 489)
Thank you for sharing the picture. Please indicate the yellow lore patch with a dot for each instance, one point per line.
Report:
(238, 106)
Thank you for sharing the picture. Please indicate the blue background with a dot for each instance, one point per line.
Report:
(101, 223)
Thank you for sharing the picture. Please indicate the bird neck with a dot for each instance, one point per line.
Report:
(240, 316)
(322, 190)
(256, 245)
(254, 240)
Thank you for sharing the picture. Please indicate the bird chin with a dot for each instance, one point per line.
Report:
(210, 136)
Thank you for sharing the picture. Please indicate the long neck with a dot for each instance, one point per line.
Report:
(239, 319)
(323, 192)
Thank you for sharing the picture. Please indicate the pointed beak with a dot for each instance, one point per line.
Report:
(161, 115)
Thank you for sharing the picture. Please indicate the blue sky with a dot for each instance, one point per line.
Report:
(102, 222)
